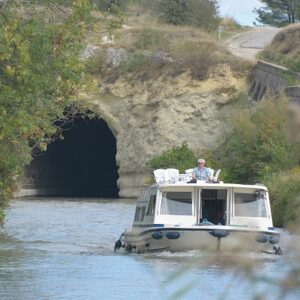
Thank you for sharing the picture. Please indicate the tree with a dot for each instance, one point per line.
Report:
(279, 12)
(41, 75)
(199, 13)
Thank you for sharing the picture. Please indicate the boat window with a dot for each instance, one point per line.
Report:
(139, 214)
(213, 206)
(176, 203)
(250, 205)
(151, 206)
(142, 213)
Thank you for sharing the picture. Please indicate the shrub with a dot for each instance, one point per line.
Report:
(199, 13)
(96, 63)
(152, 39)
(258, 144)
(143, 64)
(284, 190)
(197, 57)
(231, 24)
(180, 158)
(200, 57)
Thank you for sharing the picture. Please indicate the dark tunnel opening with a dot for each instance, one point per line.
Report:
(81, 164)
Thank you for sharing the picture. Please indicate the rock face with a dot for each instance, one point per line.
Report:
(152, 116)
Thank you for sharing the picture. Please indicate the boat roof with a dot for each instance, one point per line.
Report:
(218, 185)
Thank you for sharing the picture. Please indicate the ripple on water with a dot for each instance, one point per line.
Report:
(63, 249)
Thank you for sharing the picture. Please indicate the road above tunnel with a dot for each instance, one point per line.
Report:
(249, 43)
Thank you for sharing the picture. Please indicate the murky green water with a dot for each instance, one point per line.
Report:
(63, 249)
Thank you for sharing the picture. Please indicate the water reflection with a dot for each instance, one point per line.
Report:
(63, 249)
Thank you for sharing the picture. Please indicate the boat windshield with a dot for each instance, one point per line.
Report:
(250, 204)
(176, 203)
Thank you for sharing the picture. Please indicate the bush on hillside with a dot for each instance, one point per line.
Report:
(258, 144)
(199, 13)
(231, 24)
(284, 190)
(96, 63)
(196, 57)
(151, 39)
(180, 158)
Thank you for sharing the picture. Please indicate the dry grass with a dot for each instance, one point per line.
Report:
(285, 48)
(287, 41)
(186, 49)
(174, 34)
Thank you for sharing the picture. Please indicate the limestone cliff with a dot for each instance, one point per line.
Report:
(152, 116)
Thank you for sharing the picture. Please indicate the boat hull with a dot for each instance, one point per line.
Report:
(213, 238)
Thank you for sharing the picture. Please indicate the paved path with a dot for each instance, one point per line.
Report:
(248, 43)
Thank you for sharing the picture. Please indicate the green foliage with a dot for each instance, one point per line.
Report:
(258, 144)
(258, 149)
(278, 12)
(284, 190)
(199, 13)
(2, 216)
(96, 63)
(180, 158)
(136, 62)
(41, 75)
(152, 39)
(109, 5)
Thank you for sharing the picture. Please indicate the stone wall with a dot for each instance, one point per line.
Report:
(272, 79)
(293, 93)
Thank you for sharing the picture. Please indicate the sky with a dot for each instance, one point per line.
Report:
(241, 10)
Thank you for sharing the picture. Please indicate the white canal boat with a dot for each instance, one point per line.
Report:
(175, 215)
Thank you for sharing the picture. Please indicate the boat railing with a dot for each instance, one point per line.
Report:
(144, 191)
(163, 176)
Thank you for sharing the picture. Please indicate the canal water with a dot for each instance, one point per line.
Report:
(53, 248)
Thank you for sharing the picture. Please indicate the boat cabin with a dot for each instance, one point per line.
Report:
(202, 203)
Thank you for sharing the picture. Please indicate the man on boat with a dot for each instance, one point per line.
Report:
(201, 172)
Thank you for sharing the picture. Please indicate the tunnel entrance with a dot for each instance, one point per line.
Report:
(82, 164)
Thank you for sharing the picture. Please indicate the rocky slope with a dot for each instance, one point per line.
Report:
(148, 117)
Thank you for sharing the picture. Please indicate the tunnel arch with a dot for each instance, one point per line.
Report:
(81, 164)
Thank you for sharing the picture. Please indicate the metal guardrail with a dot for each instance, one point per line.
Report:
(144, 191)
